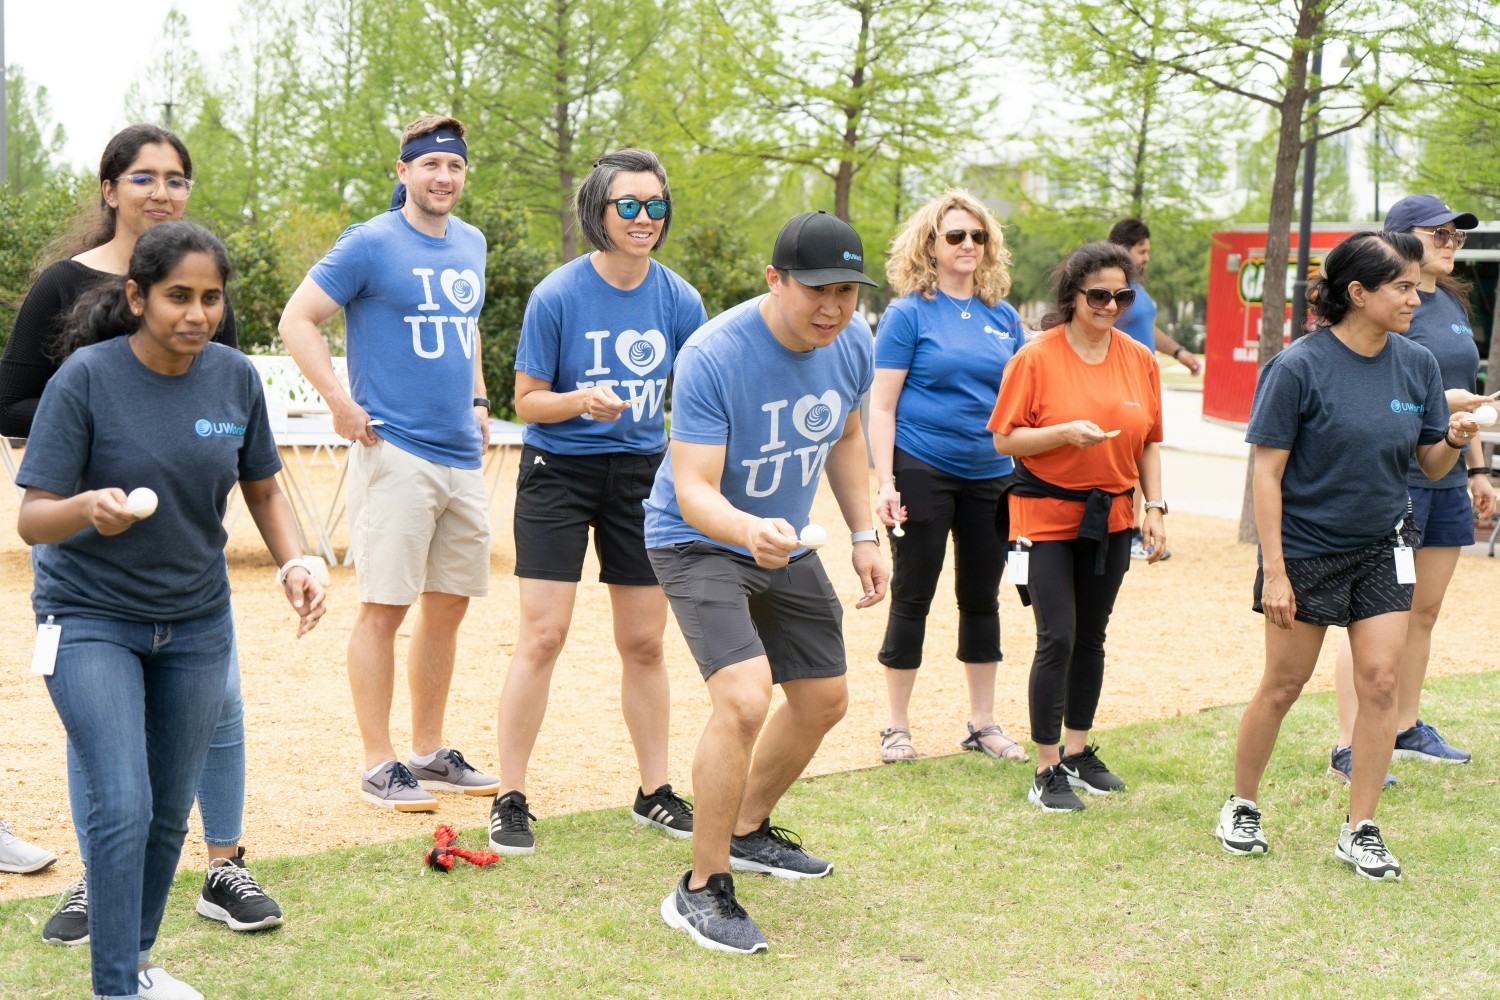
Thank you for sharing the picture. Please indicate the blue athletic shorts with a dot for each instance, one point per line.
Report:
(1445, 516)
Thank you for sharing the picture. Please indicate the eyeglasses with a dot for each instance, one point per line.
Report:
(629, 208)
(956, 236)
(1446, 237)
(178, 188)
(1098, 298)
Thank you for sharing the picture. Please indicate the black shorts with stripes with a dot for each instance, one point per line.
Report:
(1347, 586)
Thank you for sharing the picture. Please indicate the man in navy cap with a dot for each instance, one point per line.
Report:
(765, 396)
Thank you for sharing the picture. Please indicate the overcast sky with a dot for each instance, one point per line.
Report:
(86, 52)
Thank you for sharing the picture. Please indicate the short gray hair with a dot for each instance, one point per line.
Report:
(591, 200)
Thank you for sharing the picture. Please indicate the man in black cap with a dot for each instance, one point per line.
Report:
(764, 397)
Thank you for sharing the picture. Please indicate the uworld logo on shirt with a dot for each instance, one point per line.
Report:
(640, 352)
(429, 333)
(1399, 407)
(814, 419)
(204, 427)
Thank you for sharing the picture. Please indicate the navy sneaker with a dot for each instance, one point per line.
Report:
(1341, 763)
(712, 917)
(774, 851)
(1422, 742)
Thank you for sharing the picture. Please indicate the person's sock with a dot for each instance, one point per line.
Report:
(379, 767)
(424, 761)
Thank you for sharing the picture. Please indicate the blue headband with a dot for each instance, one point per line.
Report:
(442, 141)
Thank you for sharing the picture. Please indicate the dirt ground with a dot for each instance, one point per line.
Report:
(1182, 639)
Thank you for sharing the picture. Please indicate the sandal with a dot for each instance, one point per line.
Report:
(1009, 748)
(895, 746)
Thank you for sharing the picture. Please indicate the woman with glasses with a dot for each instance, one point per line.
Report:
(939, 351)
(1443, 510)
(1080, 411)
(598, 342)
(145, 177)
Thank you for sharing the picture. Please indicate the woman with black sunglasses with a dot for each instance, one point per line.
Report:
(1080, 411)
(939, 352)
(598, 342)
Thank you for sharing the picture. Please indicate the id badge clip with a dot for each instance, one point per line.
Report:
(1406, 562)
(1019, 561)
(44, 655)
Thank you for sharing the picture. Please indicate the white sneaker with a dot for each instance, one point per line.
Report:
(156, 983)
(1362, 849)
(1239, 827)
(19, 857)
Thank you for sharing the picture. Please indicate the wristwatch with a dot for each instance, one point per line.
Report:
(1160, 505)
(481, 401)
(868, 535)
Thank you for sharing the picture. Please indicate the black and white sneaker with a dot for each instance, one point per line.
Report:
(1052, 793)
(510, 831)
(775, 851)
(1239, 829)
(1362, 849)
(69, 923)
(231, 894)
(1085, 770)
(664, 809)
(712, 917)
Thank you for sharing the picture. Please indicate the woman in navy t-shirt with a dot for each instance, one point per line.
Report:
(939, 351)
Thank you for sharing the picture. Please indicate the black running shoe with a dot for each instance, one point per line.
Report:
(510, 831)
(775, 851)
(712, 916)
(664, 809)
(1085, 770)
(1050, 790)
(69, 923)
(231, 894)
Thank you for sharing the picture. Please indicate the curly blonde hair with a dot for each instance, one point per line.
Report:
(910, 266)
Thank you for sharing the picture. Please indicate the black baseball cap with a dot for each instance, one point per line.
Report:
(1425, 210)
(820, 249)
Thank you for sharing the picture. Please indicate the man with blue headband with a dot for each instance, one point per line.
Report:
(411, 283)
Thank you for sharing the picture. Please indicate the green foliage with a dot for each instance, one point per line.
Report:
(716, 260)
(1458, 132)
(258, 286)
(33, 142)
(1333, 200)
(27, 224)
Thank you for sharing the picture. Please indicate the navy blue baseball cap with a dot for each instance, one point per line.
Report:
(1425, 210)
(820, 249)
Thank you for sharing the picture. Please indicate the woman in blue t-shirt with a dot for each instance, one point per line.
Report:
(598, 342)
(1444, 510)
(1337, 419)
(939, 351)
(132, 593)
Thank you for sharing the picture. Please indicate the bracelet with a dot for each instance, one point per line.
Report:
(1479, 470)
(1179, 351)
(291, 564)
(1449, 442)
(868, 535)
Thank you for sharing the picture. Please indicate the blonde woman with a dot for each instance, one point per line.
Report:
(939, 351)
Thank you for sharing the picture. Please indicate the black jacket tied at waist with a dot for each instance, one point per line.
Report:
(1096, 506)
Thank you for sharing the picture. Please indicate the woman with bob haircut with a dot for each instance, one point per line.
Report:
(940, 349)
(1080, 411)
(135, 598)
(598, 342)
(1337, 419)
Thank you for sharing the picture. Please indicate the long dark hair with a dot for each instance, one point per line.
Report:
(95, 226)
(1068, 277)
(1371, 258)
(103, 311)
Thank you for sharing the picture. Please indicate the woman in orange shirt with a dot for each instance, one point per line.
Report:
(1080, 411)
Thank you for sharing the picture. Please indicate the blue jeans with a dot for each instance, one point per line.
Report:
(139, 701)
(221, 788)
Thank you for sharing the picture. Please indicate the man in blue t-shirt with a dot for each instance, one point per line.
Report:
(411, 284)
(765, 397)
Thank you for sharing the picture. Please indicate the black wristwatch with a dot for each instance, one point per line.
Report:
(481, 401)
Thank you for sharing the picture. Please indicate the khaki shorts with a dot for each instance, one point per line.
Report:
(416, 526)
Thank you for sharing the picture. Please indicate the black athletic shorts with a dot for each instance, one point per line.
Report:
(1347, 586)
(558, 498)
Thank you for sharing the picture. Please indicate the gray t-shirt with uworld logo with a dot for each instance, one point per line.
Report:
(108, 420)
(1351, 424)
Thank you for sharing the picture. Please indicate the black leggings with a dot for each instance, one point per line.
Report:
(937, 503)
(1072, 608)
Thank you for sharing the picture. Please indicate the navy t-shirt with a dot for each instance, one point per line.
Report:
(108, 420)
(1441, 325)
(1351, 424)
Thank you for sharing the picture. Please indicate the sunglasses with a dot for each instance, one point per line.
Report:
(956, 236)
(629, 208)
(1098, 298)
(1446, 237)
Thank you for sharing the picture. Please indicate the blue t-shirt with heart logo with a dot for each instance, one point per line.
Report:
(581, 331)
(411, 315)
(776, 412)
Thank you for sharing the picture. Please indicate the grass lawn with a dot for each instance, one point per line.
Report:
(947, 883)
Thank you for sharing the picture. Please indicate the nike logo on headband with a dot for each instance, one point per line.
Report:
(441, 139)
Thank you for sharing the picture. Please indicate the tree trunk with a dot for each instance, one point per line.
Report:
(564, 134)
(843, 180)
(1279, 225)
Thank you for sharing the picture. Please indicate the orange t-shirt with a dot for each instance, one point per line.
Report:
(1047, 383)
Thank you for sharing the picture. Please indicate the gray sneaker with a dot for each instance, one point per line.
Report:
(19, 857)
(775, 851)
(712, 917)
(393, 787)
(449, 772)
(1363, 849)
